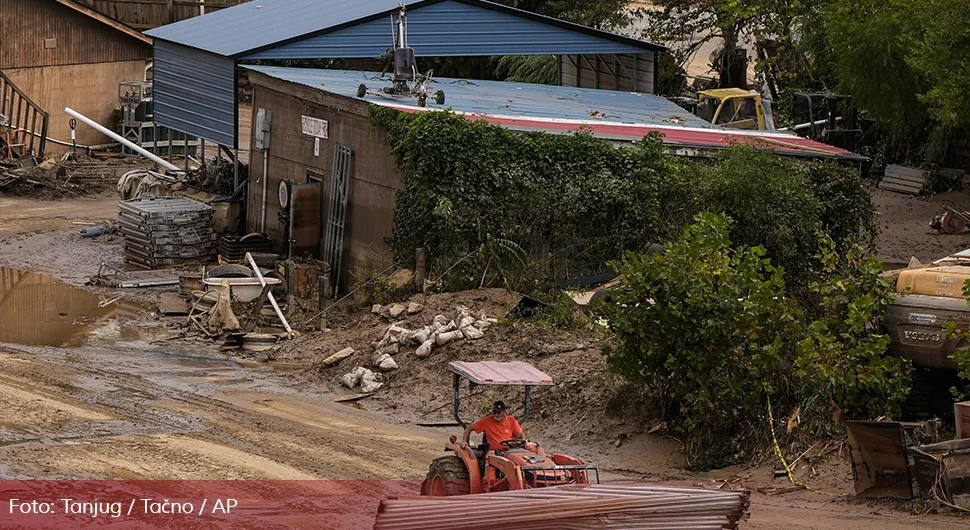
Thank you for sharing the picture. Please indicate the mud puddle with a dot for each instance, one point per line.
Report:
(37, 310)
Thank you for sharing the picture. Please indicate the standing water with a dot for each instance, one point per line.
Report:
(37, 310)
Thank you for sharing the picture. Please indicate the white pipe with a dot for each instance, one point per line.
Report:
(136, 148)
(269, 294)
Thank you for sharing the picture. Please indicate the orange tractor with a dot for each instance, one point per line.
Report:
(521, 464)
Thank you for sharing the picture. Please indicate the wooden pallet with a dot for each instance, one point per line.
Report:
(904, 179)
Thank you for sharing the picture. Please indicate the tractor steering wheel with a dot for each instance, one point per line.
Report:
(516, 444)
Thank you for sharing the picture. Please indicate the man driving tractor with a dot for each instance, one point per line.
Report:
(498, 427)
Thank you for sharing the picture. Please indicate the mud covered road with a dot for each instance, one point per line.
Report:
(133, 413)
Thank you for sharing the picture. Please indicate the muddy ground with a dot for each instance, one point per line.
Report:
(98, 392)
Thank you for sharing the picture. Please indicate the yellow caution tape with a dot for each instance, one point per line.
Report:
(781, 457)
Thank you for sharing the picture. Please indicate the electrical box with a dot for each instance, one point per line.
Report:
(264, 122)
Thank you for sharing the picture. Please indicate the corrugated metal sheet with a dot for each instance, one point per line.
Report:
(496, 373)
(195, 92)
(452, 29)
(622, 506)
(614, 115)
(504, 98)
(46, 33)
(253, 28)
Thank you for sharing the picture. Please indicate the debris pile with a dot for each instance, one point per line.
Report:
(620, 505)
(165, 232)
(61, 179)
(441, 331)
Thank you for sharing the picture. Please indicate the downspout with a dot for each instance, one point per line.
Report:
(120, 139)
(262, 215)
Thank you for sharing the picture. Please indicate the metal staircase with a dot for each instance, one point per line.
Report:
(23, 124)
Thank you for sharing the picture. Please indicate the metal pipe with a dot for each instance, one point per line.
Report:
(262, 215)
(107, 132)
(272, 299)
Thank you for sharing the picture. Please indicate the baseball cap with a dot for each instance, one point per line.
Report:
(499, 406)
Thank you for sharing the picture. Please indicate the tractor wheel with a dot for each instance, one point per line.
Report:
(362, 91)
(448, 476)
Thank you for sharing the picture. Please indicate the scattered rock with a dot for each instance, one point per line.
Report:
(337, 357)
(415, 308)
(376, 309)
(396, 310)
(402, 278)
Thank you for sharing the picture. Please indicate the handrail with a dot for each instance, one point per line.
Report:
(21, 114)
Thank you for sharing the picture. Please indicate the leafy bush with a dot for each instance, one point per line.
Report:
(709, 330)
(843, 354)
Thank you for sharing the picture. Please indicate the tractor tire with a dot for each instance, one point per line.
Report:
(447, 476)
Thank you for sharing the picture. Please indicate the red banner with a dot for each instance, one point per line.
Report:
(265, 504)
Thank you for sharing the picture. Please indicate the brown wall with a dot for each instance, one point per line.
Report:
(91, 89)
(376, 177)
(145, 14)
(25, 25)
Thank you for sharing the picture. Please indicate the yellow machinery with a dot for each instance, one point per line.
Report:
(735, 108)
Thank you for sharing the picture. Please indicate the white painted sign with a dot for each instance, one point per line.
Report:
(316, 127)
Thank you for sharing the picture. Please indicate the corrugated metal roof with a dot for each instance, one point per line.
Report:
(258, 26)
(507, 99)
(497, 373)
(622, 116)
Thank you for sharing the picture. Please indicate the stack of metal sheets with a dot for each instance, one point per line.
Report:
(618, 505)
(163, 232)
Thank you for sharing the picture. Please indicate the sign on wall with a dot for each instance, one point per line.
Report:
(315, 127)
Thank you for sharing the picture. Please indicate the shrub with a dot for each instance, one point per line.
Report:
(710, 331)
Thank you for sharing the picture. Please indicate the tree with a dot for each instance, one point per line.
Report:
(906, 63)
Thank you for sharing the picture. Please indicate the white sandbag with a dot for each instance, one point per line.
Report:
(390, 349)
(465, 322)
(482, 324)
(387, 364)
(439, 322)
(350, 379)
(472, 333)
(425, 349)
(369, 382)
(421, 336)
(445, 338)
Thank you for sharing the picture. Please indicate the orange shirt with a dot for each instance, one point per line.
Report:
(497, 432)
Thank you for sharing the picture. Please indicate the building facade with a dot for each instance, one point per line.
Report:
(60, 54)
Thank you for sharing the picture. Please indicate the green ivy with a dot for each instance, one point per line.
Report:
(571, 203)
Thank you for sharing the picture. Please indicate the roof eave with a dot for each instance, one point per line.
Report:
(104, 19)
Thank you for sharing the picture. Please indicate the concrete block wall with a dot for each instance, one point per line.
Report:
(91, 89)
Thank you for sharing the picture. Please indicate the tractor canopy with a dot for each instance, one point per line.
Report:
(516, 373)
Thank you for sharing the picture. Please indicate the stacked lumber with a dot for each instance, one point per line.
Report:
(617, 505)
(905, 179)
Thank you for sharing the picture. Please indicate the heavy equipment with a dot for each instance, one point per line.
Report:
(521, 464)
(734, 108)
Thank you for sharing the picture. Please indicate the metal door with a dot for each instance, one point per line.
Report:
(305, 219)
(343, 162)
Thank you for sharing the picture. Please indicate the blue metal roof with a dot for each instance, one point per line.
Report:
(295, 29)
(508, 99)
